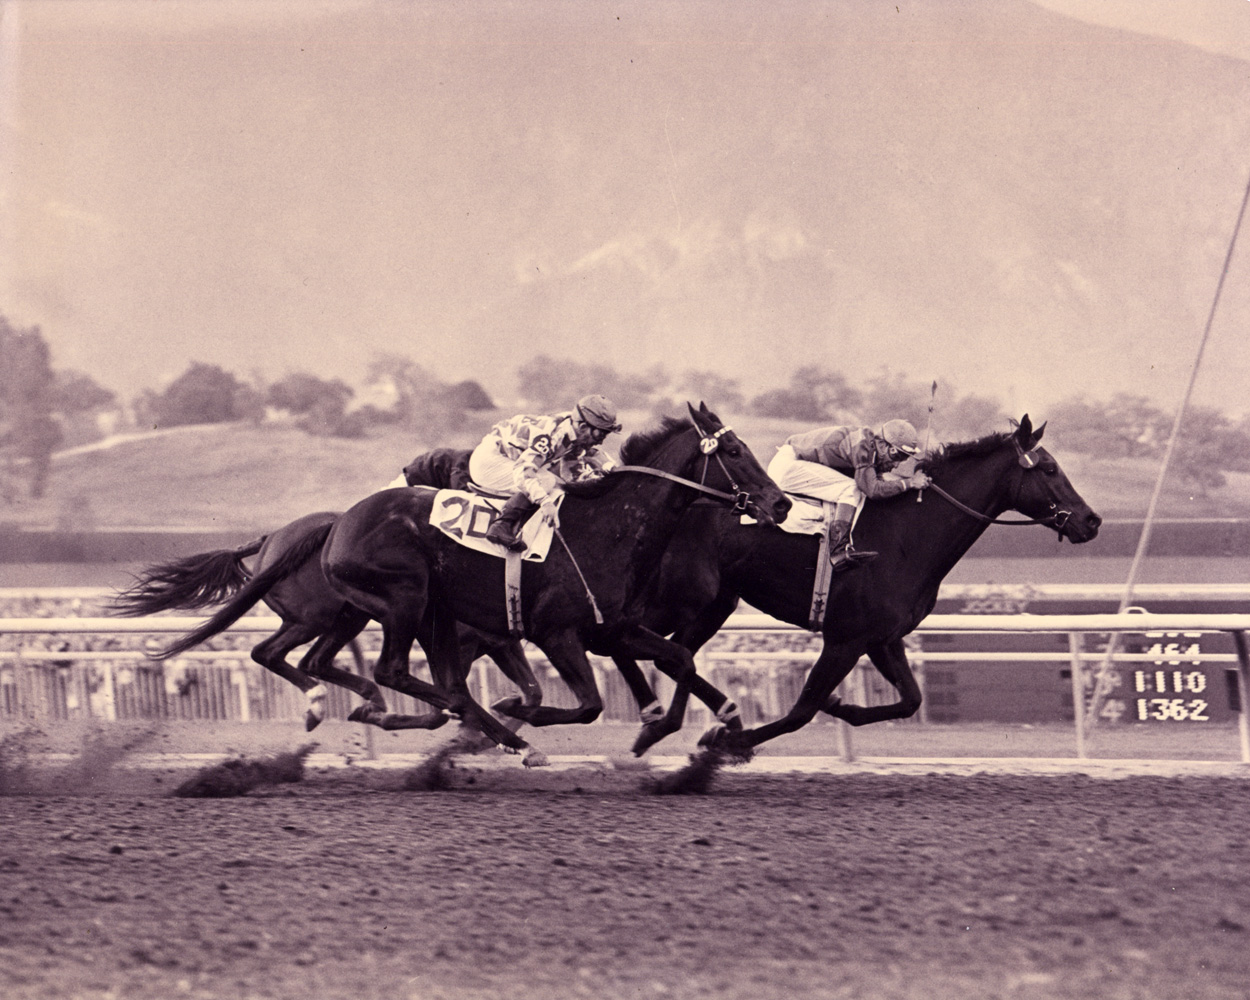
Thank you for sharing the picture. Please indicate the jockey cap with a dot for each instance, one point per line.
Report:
(901, 436)
(598, 412)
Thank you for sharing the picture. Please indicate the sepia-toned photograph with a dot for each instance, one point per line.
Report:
(639, 500)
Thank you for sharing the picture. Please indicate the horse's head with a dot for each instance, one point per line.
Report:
(1044, 492)
(705, 451)
(724, 462)
(1012, 472)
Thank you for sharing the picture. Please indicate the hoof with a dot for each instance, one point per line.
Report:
(535, 758)
(367, 713)
(392, 721)
(649, 736)
(316, 707)
(833, 706)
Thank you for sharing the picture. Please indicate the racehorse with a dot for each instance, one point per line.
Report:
(384, 557)
(310, 610)
(714, 561)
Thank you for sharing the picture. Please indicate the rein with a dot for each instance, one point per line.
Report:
(1057, 519)
(1027, 460)
(739, 499)
(708, 446)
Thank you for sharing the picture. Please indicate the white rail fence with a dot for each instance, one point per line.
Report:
(37, 681)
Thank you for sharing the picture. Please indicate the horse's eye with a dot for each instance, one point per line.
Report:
(1050, 468)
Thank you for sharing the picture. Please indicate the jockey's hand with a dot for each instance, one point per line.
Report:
(918, 481)
(548, 512)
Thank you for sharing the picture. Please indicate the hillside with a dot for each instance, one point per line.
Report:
(990, 193)
(243, 477)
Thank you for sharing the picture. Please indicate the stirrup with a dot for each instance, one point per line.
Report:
(848, 559)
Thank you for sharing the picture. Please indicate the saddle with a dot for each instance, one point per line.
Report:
(465, 517)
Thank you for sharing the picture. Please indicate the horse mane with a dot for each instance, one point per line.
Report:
(638, 447)
(938, 461)
(643, 444)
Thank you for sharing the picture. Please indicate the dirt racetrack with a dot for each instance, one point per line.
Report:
(577, 882)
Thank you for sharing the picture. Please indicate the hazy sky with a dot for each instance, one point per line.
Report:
(231, 182)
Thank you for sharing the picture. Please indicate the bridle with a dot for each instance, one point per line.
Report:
(1027, 460)
(709, 445)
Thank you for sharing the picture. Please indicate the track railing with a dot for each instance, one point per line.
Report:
(243, 691)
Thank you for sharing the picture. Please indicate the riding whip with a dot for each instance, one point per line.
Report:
(928, 428)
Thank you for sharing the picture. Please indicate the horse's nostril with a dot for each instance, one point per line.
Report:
(1094, 521)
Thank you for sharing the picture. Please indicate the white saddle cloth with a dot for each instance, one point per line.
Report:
(805, 518)
(466, 517)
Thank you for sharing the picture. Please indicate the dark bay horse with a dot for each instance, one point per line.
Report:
(310, 610)
(714, 561)
(385, 559)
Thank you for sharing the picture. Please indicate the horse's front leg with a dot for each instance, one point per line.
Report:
(567, 654)
(649, 707)
(439, 635)
(890, 659)
(832, 666)
(675, 661)
(509, 657)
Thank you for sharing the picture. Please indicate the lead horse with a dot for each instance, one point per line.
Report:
(384, 557)
(715, 561)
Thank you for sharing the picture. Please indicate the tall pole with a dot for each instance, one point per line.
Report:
(1102, 682)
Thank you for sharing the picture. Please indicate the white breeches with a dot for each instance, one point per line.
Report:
(497, 473)
(812, 479)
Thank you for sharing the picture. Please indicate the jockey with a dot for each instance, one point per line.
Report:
(532, 457)
(843, 466)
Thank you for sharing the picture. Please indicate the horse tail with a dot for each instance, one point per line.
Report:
(197, 581)
(251, 592)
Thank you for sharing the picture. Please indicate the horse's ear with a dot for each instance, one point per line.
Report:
(699, 416)
(1024, 431)
(1037, 434)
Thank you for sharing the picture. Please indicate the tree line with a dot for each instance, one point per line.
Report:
(43, 409)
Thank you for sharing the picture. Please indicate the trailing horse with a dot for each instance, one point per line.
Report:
(287, 576)
(715, 561)
(385, 559)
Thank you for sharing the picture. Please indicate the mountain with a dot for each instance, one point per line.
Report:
(1020, 203)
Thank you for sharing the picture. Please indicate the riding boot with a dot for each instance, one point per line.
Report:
(841, 554)
(506, 528)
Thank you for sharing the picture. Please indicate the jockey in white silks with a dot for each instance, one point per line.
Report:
(533, 457)
(843, 466)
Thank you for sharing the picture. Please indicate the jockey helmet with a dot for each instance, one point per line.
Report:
(598, 412)
(901, 436)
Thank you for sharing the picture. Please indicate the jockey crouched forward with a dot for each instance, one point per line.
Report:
(844, 466)
(533, 457)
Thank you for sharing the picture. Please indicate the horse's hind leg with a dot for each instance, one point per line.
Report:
(319, 661)
(890, 659)
(271, 654)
